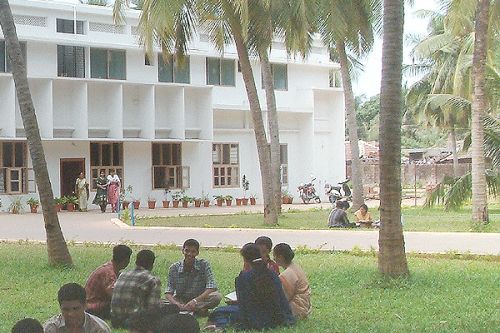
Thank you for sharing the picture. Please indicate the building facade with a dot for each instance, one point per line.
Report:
(102, 104)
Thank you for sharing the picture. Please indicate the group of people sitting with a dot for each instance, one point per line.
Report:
(338, 217)
(265, 298)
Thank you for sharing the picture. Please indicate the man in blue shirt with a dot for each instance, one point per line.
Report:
(191, 284)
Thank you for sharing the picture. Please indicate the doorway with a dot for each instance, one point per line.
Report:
(70, 168)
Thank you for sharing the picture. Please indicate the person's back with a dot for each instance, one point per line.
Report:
(338, 218)
(135, 290)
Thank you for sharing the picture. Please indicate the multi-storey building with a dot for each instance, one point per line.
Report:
(103, 104)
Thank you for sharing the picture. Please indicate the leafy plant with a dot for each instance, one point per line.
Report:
(16, 205)
(176, 195)
(186, 198)
(219, 197)
(71, 199)
(151, 197)
(228, 197)
(33, 201)
(245, 184)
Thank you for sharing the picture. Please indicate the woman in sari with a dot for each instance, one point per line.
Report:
(101, 196)
(113, 190)
(82, 192)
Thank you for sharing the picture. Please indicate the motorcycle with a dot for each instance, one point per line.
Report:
(342, 192)
(307, 192)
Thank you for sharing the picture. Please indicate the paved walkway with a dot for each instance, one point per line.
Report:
(97, 227)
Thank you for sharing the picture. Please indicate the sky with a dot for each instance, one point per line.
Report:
(368, 82)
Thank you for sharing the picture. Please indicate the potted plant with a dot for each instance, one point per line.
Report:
(33, 202)
(229, 200)
(58, 203)
(71, 202)
(197, 202)
(219, 199)
(176, 197)
(253, 199)
(238, 201)
(165, 201)
(126, 196)
(151, 202)
(186, 200)
(206, 200)
(16, 205)
(245, 184)
(286, 198)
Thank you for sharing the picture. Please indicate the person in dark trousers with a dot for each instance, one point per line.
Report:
(338, 216)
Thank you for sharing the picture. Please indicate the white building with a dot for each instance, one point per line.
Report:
(101, 104)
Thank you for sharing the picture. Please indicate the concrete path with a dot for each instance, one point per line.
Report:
(94, 226)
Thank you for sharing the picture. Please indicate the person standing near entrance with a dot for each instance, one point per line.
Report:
(101, 196)
(82, 192)
(113, 190)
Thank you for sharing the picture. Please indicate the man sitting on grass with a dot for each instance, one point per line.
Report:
(135, 291)
(27, 325)
(100, 284)
(191, 283)
(338, 216)
(73, 317)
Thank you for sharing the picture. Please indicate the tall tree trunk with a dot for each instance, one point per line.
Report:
(454, 153)
(57, 249)
(263, 149)
(479, 197)
(274, 132)
(352, 125)
(392, 258)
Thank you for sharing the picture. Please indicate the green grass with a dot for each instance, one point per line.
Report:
(442, 295)
(414, 219)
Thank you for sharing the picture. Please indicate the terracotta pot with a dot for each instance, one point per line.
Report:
(58, 207)
(185, 204)
(165, 203)
(33, 208)
(70, 207)
(238, 202)
(219, 202)
(244, 201)
(252, 201)
(125, 204)
(284, 200)
(137, 204)
(151, 204)
(229, 202)
(206, 203)
(175, 203)
(197, 203)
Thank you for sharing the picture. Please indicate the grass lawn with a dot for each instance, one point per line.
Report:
(414, 219)
(442, 295)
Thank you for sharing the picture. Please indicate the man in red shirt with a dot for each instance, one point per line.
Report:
(100, 284)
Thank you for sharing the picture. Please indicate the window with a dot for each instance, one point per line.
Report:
(168, 171)
(70, 61)
(335, 79)
(15, 177)
(105, 156)
(220, 72)
(226, 164)
(280, 76)
(5, 66)
(107, 64)
(173, 70)
(68, 26)
(284, 163)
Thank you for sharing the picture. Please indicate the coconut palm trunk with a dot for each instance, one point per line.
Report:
(263, 149)
(352, 125)
(274, 135)
(479, 197)
(57, 249)
(392, 258)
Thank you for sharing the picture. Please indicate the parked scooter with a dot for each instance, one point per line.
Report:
(342, 192)
(307, 192)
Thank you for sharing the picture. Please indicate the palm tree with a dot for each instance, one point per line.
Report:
(349, 26)
(57, 249)
(392, 258)
(173, 24)
(479, 104)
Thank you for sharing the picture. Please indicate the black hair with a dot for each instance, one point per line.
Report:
(265, 293)
(71, 292)
(121, 253)
(346, 205)
(339, 204)
(191, 242)
(179, 323)
(284, 250)
(27, 325)
(364, 206)
(264, 240)
(145, 259)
